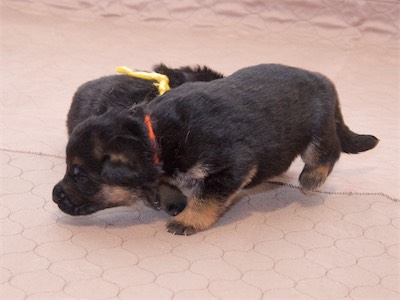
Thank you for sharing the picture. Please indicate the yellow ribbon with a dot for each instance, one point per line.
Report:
(163, 81)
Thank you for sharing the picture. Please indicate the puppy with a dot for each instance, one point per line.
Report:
(210, 139)
(122, 91)
(119, 93)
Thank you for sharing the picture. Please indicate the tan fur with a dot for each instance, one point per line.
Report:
(98, 151)
(77, 161)
(320, 172)
(188, 182)
(314, 173)
(245, 182)
(118, 158)
(117, 195)
(203, 213)
(197, 172)
(200, 214)
(310, 155)
(313, 178)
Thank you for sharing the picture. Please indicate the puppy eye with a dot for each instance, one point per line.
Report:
(76, 170)
(78, 175)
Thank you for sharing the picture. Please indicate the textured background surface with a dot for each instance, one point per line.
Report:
(341, 243)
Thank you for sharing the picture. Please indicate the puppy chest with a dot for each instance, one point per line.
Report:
(191, 181)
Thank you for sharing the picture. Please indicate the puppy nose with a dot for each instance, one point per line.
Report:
(157, 202)
(58, 193)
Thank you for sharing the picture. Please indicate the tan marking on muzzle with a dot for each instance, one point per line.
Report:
(117, 195)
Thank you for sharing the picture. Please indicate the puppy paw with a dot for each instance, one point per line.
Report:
(176, 227)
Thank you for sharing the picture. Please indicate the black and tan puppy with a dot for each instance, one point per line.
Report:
(119, 93)
(211, 139)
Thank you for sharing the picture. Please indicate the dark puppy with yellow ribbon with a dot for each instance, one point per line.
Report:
(95, 97)
(212, 139)
(88, 184)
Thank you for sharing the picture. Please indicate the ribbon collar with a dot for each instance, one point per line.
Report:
(152, 137)
(163, 86)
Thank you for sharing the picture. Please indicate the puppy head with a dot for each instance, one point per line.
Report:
(109, 163)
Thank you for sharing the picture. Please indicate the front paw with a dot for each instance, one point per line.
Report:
(176, 227)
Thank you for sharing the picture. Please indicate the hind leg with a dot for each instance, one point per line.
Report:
(319, 157)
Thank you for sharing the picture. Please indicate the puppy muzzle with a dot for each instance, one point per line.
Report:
(66, 205)
(153, 198)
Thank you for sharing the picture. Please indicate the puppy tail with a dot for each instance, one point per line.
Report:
(352, 142)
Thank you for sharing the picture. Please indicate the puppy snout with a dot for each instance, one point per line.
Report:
(157, 201)
(153, 198)
(58, 194)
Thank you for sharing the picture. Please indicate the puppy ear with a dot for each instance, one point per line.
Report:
(199, 73)
(117, 172)
(175, 76)
(187, 74)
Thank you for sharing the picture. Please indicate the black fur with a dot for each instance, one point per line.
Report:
(95, 97)
(83, 192)
(215, 138)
